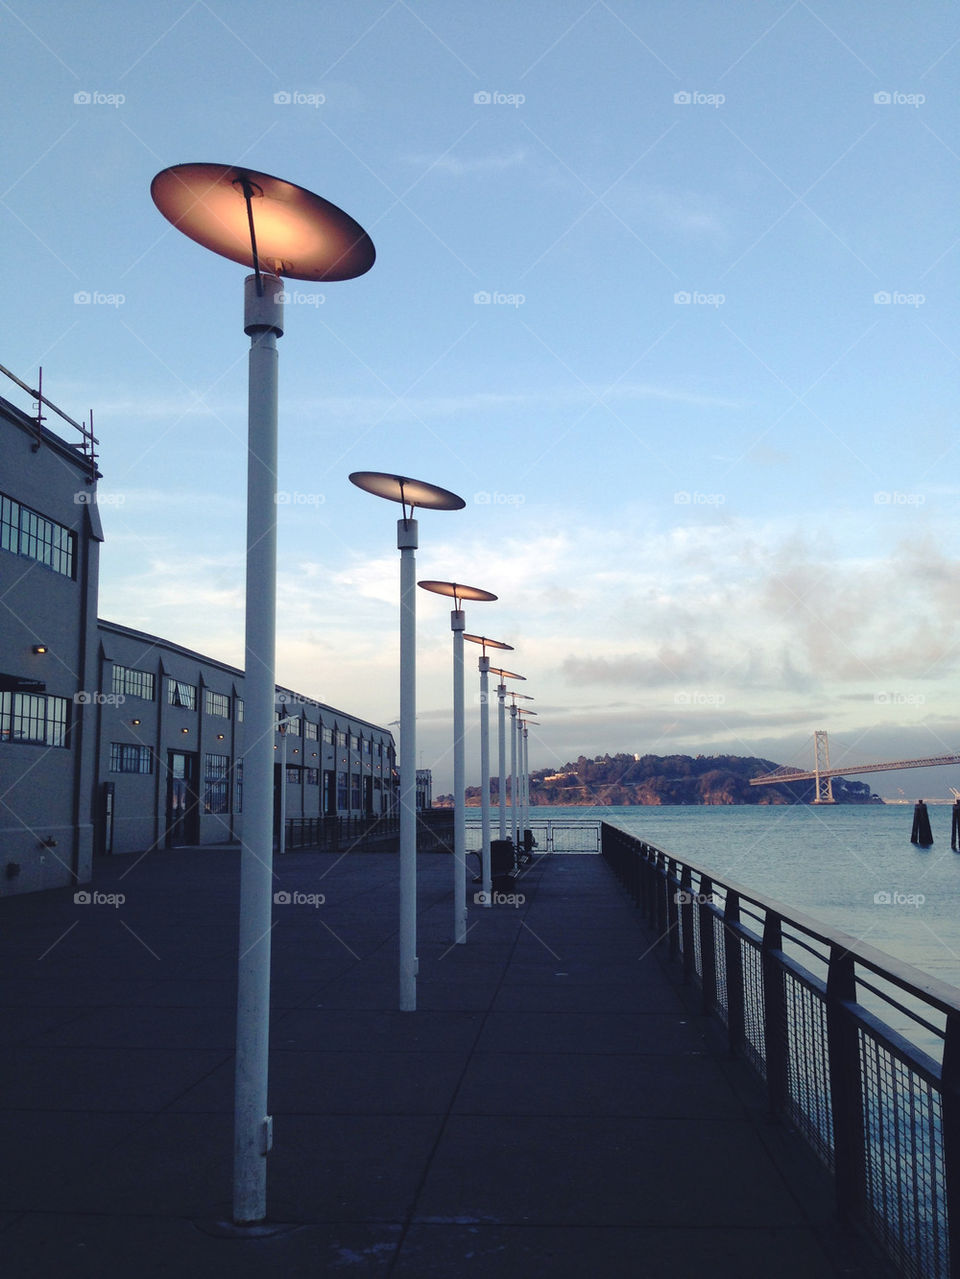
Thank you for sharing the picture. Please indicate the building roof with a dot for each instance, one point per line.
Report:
(157, 641)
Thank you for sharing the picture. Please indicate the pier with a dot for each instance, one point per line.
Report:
(559, 1105)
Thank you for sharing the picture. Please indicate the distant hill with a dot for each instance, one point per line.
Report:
(667, 779)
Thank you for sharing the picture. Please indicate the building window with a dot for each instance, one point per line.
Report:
(342, 737)
(293, 774)
(216, 796)
(33, 719)
(125, 758)
(26, 532)
(328, 737)
(216, 704)
(292, 725)
(310, 730)
(366, 745)
(342, 794)
(311, 776)
(238, 709)
(238, 780)
(132, 683)
(355, 791)
(354, 742)
(181, 694)
(56, 721)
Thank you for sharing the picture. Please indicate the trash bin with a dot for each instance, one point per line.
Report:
(502, 862)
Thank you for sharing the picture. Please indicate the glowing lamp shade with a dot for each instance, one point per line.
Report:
(400, 488)
(495, 670)
(485, 641)
(458, 591)
(298, 234)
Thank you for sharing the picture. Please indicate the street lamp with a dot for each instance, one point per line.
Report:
(523, 713)
(516, 800)
(457, 591)
(409, 493)
(276, 228)
(501, 724)
(486, 871)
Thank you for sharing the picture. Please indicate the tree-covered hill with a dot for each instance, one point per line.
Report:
(668, 779)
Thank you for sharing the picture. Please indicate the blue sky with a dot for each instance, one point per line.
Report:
(705, 426)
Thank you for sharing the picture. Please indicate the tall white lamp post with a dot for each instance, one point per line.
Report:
(458, 592)
(501, 724)
(410, 494)
(276, 228)
(524, 769)
(516, 798)
(486, 873)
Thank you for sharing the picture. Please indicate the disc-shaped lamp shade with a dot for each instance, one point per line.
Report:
(526, 697)
(298, 234)
(457, 590)
(494, 670)
(400, 488)
(523, 712)
(487, 643)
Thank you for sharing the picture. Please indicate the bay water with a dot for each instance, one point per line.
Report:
(850, 866)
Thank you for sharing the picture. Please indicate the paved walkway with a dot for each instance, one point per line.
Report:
(552, 1108)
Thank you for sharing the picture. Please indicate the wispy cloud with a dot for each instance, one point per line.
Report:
(460, 167)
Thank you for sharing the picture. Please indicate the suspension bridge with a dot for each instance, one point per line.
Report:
(823, 774)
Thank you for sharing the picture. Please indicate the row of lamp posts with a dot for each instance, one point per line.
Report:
(282, 230)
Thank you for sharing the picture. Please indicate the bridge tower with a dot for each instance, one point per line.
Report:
(821, 763)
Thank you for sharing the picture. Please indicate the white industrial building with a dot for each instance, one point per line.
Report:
(115, 741)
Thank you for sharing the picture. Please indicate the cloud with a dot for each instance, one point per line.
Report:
(454, 166)
(692, 213)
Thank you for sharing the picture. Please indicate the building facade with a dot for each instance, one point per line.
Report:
(50, 539)
(170, 738)
(424, 789)
(116, 741)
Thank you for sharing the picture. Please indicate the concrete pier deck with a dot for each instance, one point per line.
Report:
(553, 1108)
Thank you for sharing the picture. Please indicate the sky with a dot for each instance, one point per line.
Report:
(665, 291)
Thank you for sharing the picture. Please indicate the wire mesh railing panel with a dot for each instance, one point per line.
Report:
(575, 837)
(753, 1028)
(904, 1158)
(808, 1066)
(548, 836)
(721, 961)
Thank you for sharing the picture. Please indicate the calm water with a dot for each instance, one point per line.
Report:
(827, 861)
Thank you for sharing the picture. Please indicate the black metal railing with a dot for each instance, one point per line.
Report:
(859, 1051)
(550, 836)
(333, 834)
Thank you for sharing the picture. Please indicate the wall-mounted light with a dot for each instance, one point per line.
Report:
(219, 737)
(135, 723)
(184, 730)
(39, 648)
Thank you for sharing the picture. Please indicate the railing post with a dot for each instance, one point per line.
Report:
(708, 954)
(663, 892)
(673, 909)
(685, 932)
(774, 1013)
(846, 1085)
(733, 963)
(950, 1115)
(646, 880)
